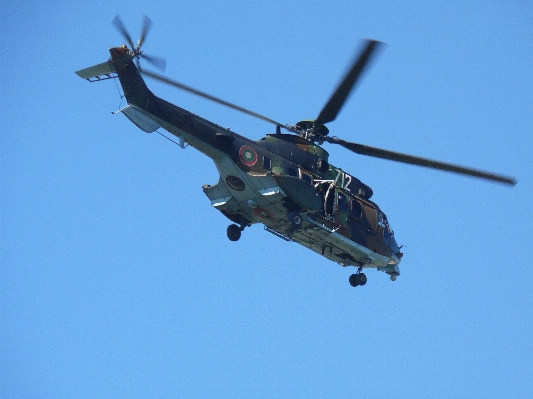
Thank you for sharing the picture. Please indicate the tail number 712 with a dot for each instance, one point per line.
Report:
(345, 179)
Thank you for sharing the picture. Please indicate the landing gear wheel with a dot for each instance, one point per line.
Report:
(357, 279)
(234, 232)
(295, 220)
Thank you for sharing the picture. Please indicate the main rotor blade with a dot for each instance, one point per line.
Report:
(209, 97)
(337, 100)
(413, 160)
(147, 23)
(159, 63)
(117, 23)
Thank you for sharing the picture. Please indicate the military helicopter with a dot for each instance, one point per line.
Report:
(285, 180)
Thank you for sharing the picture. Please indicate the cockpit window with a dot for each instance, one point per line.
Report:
(382, 221)
(388, 235)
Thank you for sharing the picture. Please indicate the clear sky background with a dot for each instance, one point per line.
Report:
(118, 280)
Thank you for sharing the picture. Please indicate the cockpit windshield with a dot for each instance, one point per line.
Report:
(388, 234)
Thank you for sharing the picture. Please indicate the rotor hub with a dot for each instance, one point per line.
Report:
(311, 131)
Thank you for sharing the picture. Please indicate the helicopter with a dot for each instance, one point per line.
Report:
(283, 181)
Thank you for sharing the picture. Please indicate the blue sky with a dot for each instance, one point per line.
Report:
(117, 279)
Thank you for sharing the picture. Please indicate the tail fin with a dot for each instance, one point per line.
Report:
(121, 65)
(133, 85)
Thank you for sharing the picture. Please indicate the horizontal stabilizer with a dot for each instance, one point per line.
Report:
(103, 71)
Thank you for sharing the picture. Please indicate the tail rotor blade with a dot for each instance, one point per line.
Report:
(117, 23)
(147, 24)
(159, 63)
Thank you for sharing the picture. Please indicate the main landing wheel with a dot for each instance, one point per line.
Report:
(234, 232)
(357, 279)
(295, 220)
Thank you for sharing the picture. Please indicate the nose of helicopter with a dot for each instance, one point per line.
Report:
(393, 265)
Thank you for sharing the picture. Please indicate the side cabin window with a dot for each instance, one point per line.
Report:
(293, 171)
(341, 215)
(306, 176)
(342, 204)
(356, 210)
(267, 163)
(369, 216)
(364, 216)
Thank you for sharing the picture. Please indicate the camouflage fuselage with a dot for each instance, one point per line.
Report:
(264, 181)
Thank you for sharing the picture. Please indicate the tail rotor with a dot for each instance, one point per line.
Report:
(136, 52)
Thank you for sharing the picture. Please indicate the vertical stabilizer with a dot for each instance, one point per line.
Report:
(133, 85)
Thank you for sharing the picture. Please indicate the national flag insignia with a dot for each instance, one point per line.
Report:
(248, 155)
(264, 213)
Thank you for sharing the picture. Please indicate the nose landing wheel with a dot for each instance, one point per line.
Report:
(357, 279)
